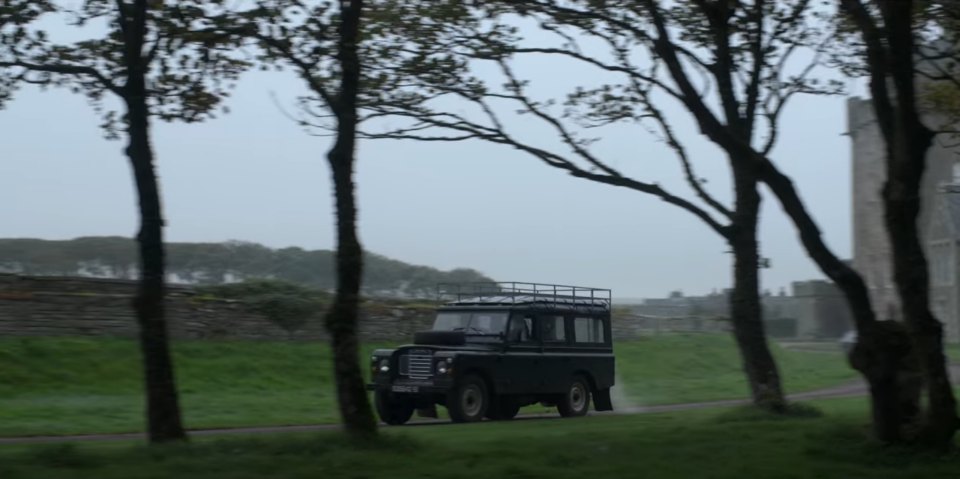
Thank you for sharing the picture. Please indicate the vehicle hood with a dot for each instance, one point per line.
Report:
(470, 347)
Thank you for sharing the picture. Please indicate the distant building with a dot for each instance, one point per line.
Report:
(821, 310)
(943, 241)
(816, 309)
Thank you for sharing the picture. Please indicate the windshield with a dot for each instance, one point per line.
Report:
(472, 323)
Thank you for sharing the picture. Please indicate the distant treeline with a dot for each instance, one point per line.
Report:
(219, 263)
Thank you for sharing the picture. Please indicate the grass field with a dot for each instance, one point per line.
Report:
(709, 444)
(953, 352)
(66, 386)
(73, 385)
(675, 369)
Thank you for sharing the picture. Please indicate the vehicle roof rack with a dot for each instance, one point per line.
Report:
(516, 293)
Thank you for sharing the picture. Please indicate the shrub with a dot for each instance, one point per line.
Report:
(287, 305)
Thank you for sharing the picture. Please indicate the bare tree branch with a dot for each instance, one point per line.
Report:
(65, 69)
(631, 72)
(304, 68)
(678, 148)
(496, 133)
(759, 61)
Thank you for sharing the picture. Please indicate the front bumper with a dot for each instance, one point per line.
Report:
(412, 386)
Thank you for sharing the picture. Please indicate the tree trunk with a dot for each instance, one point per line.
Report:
(746, 311)
(163, 408)
(341, 320)
(907, 143)
(881, 346)
(901, 196)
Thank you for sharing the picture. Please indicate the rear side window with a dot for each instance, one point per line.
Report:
(554, 329)
(521, 330)
(588, 330)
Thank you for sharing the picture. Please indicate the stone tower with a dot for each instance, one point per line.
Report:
(871, 245)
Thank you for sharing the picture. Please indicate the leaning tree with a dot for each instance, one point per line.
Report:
(742, 54)
(883, 349)
(166, 60)
(725, 62)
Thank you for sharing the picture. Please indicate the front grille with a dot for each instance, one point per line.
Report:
(417, 365)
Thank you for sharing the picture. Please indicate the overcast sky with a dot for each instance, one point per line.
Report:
(254, 175)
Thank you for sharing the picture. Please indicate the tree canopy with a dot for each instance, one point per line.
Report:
(190, 63)
(219, 263)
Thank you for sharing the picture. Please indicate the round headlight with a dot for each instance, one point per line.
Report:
(442, 367)
(384, 366)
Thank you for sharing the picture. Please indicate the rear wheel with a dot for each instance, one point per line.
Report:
(504, 408)
(392, 409)
(576, 401)
(469, 401)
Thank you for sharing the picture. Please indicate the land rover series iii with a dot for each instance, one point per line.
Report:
(496, 347)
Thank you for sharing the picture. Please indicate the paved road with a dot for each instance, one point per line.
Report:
(857, 388)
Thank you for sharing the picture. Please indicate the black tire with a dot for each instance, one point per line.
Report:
(469, 401)
(392, 409)
(503, 409)
(576, 401)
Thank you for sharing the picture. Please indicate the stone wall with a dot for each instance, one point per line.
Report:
(60, 306)
(632, 326)
(70, 306)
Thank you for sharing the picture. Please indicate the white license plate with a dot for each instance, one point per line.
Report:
(405, 389)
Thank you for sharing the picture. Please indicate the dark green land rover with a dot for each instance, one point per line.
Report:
(496, 347)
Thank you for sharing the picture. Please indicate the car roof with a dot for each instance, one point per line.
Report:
(526, 302)
(525, 295)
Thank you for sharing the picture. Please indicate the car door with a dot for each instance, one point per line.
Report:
(557, 364)
(519, 368)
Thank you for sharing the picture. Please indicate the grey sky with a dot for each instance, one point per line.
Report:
(254, 175)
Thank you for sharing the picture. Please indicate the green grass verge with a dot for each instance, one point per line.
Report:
(953, 352)
(76, 385)
(714, 444)
(690, 368)
(84, 385)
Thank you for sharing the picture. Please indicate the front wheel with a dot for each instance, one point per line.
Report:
(468, 402)
(576, 401)
(392, 409)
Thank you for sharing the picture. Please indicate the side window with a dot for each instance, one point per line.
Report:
(521, 329)
(588, 330)
(553, 328)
